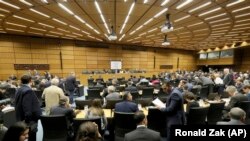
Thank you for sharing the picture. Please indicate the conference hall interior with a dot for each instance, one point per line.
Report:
(115, 70)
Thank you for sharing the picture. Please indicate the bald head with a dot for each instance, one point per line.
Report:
(237, 113)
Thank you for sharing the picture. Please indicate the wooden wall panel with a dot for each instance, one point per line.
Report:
(29, 50)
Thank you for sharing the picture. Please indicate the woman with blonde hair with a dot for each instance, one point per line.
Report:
(96, 111)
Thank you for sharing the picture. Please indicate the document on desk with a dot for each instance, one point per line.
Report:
(158, 102)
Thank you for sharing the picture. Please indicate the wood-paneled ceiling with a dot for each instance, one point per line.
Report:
(200, 24)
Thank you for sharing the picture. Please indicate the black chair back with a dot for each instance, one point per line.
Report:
(195, 91)
(204, 92)
(78, 121)
(93, 93)
(11, 93)
(215, 112)
(9, 118)
(124, 123)
(90, 82)
(144, 101)
(81, 103)
(111, 103)
(245, 105)
(197, 115)
(157, 121)
(147, 92)
(54, 128)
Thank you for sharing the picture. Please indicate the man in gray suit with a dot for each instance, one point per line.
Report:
(142, 133)
(237, 117)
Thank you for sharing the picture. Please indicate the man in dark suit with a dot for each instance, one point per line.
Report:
(237, 117)
(228, 78)
(174, 107)
(235, 100)
(27, 106)
(126, 105)
(71, 85)
(142, 133)
(64, 109)
(131, 87)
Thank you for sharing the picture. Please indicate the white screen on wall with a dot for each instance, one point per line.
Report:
(116, 65)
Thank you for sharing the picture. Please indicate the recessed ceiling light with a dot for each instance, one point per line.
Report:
(186, 2)
(10, 23)
(199, 7)
(241, 9)
(242, 15)
(63, 30)
(22, 18)
(215, 16)
(4, 10)
(71, 26)
(46, 25)
(56, 32)
(127, 17)
(235, 2)
(219, 20)
(164, 2)
(9, 4)
(210, 11)
(37, 29)
(40, 13)
(65, 9)
(182, 18)
(25, 2)
(11, 29)
(195, 24)
(59, 21)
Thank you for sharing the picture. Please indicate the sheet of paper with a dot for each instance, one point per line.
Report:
(158, 102)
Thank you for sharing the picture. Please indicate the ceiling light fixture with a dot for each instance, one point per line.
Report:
(9, 4)
(241, 9)
(44, 1)
(4, 10)
(127, 17)
(102, 17)
(61, 22)
(122, 37)
(63, 30)
(25, 2)
(22, 18)
(10, 23)
(195, 24)
(210, 11)
(145, 1)
(164, 2)
(166, 42)
(46, 25)
(235, 2)
(65, 9)
(80, 19)
(184, 4)
(215, 16)
(199, 7)
(40, 13)
(37, 29)
(182, 18)
(112, 36)
(71, 26)
(167, 27)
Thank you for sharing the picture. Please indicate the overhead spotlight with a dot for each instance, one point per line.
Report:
(112, 36)
(167, 27)
(166, 42)
(44, 1)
